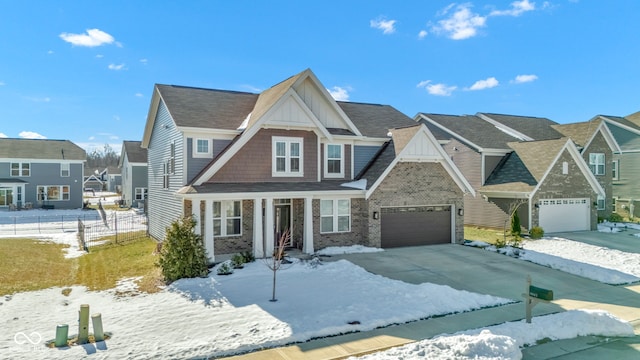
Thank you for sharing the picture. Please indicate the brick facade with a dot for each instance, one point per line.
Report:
(599, 145)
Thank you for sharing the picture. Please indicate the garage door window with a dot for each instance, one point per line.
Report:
(335, 216)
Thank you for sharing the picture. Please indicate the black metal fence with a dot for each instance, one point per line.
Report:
(25, 223)
(116, 227)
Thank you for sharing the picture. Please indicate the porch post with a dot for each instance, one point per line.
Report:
(258, 229)
(307, 245)
(195, 215)
(268, 226)
(208, 229)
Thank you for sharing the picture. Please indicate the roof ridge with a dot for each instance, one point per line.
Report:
(207, 89)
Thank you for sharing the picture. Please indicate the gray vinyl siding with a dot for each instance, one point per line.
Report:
(49, 174)
(127, 194)
(628, 184)
(195, 165)
(361, 157)
(163, 205)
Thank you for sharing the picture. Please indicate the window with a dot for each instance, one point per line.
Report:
(202, 148)
(227, 218)
(615, 164)
(172, 158)
(335, 216)
(64, 169)
(565, 168)
(333, 160)
(165, 175)
(596, 163)
(613, 204)
(287, 156)
(53, 192)
(141, 193)
(601, 202)
(20, 169)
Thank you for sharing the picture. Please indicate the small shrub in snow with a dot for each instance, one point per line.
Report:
(248, 256)
(614, 218)
(237, 260)
(536, 232)
(515, 225)
(182, 254)
(225, 268)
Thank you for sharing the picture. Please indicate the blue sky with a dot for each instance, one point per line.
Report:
(85, 70)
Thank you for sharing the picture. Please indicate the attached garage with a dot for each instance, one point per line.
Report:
(557, 215)
(415, 225)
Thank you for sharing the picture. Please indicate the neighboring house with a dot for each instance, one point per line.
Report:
(249, 167)
(611, 146)
(114, 179)
(103, 179)
(133, 166)
(41, 173)
(518, 159)
(92, 182)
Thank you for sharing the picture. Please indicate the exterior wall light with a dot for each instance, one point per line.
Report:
(461, 212)
(376, 216)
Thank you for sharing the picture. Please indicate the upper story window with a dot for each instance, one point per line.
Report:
(596, 163)
(65, 169)
(20, 169)
(287, 156)
(615, 169)
(601, 203)
(334, 160)
(202, 148)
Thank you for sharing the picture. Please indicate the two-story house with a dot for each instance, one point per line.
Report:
(611, 146)
(516, 159)
(133, 168)
(250, 167)
(41, 173)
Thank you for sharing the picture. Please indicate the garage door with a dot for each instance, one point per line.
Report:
(558, 215)
(412, 226)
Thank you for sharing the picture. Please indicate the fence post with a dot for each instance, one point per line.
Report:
(115, 224)
(39, 232)
(15, 229)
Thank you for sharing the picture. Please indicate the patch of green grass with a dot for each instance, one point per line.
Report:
(488, 235)
(27, 265)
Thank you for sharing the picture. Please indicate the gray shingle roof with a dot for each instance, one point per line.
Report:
(511, 170)
(472, 128)
(375, 120)
(380, 162)
(43, 149)
(534, 127)
(135, 153)
(207, 108)
(622, 121)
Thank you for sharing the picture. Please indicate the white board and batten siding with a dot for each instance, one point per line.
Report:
(319, 105)
(163, 206)
(560, 215)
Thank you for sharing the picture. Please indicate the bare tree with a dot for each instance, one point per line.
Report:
(277, 260)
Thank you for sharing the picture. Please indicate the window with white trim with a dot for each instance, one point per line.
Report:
(202, 148)
(601, 203)
(613, 204)
(334, 160)
(335, 215)
(615, 168)
(287, 156)
(20, 169)
(65, 169)
(165, 175)
(227, 218)
(140, 193)
(596, 163)
(53, 192)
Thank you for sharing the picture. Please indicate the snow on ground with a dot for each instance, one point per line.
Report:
(598, 263)
(353, 249)
(504, 341)
(222, 315)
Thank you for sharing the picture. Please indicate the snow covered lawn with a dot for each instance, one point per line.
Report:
(223, 315)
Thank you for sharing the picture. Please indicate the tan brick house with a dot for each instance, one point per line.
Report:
(250, 166)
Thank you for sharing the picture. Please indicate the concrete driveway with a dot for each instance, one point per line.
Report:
(623, 241)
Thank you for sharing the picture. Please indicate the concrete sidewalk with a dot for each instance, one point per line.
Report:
(480, 271)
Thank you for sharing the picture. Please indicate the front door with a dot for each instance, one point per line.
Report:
(283, 222)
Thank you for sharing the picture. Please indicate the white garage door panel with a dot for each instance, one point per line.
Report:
(558, 215)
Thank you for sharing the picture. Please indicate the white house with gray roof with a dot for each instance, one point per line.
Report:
(250, 167)
(133, 168)
(36, 173)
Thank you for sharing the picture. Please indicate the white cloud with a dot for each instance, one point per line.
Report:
(144, 61)
(99, 56)
(139, 95)
(462, 24)
(525, 78)
(117, 67)
(517, 8)
(2, 135)
(92, 38)
(387, 26)
(50, 52)
(34, 99)
(484, 84)
(2, 83)
(422, 34)
(31, 135)
(92, 137)
(437, 89)
(339, 93)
